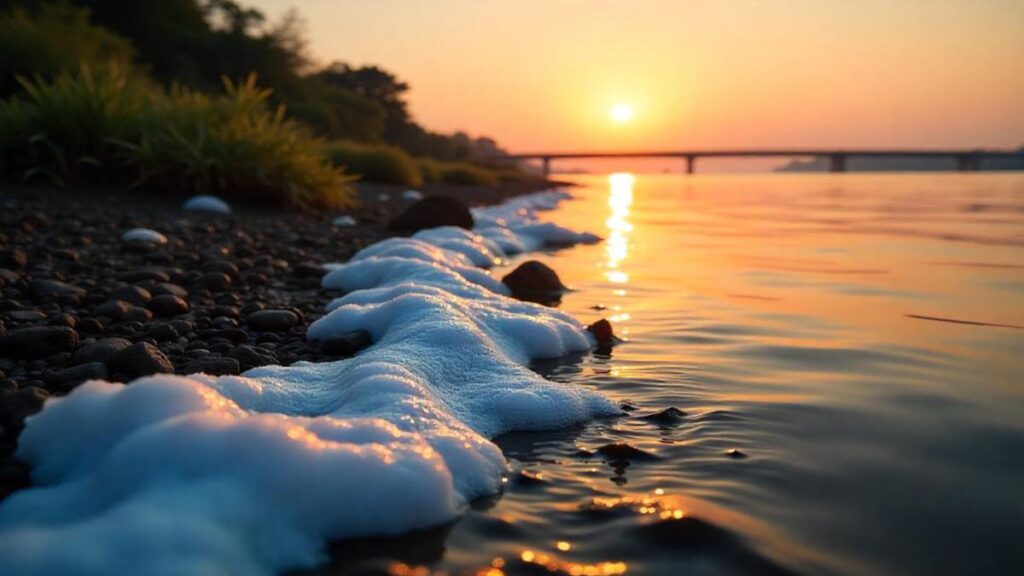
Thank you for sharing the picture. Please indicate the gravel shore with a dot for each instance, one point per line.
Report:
(224, 294)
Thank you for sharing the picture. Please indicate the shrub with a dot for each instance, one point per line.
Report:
(109, 126)
(52, 39)
(236, 146)
(68, 129)
(459, 173)
(376, 163)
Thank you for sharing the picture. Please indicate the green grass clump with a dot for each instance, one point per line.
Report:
(376, 162)
(111, 127)
(237, 147)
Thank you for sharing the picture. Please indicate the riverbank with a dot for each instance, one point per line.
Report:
(224, 294)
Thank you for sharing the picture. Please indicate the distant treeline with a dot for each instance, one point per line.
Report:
(896, 164)
(206, 95)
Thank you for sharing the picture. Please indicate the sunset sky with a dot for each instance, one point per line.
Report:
(544, 75)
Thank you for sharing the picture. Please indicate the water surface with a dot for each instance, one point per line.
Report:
(844, 354)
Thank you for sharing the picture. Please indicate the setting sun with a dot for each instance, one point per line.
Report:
(621, 113)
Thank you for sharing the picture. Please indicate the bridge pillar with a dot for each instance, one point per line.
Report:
(545, 166)
(691, 164)
(837, 163)
(968, 162)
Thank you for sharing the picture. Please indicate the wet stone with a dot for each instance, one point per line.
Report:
(213, 365)
(141, 359)
(168, 305)
(131, 294)
(534, 281)
(38, 341)
(272, 320)
(67, 378)
(16, 406)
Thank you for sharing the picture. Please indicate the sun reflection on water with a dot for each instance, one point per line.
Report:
(620, 198)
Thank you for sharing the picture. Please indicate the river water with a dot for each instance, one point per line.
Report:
(845, 357)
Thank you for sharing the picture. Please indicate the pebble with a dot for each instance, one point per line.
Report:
(168, 305)
(67, 378)
(433, 212)
(272, 320)
(534, 281)
(249, 357)
(132, 294)
(38, 341)
(16, 406)
(100, 351)
(216, 281)
(213, 365)
(140, 359)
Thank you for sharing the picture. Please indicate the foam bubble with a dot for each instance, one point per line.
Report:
(256, 473)
(144, 235)
(205, 203)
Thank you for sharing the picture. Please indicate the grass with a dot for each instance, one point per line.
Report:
(110, 126)
(458, 173)
(376, 162)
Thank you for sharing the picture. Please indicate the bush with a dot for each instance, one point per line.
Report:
(235, 146)
(51, 40)
(458, 173)
(108, 126)
(68, 129)
(376, 163)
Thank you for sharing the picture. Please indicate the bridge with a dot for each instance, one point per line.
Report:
(966, 160)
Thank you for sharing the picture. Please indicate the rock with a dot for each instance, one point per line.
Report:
(132, 295)
(141, 359)
(670, 416)
(163, 333)
(231, 334)
(26, 315)
(90, 326)
(38, 341)
(433, 212)
(64, 320)
(101, 351)
(144, 236)
(224, 266)
(213, 365)
(308, 270)
(168, 305)
(13, 259)
(113, 309)
(168, 288)
(209, 204)
(19, 405)
(143, 274)
(534, 281)
(348, 343)
(66, 379)
(736, 454)
(216, 281)
(624, 451)
(272, 320)
(53, 289)
(602, 331)
(249, 357)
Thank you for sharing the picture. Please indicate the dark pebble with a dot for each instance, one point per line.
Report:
(432, 212)
(100, 351)
(38, 341)
(534, 281)
(348, 343)
(20, 405)
(141, 359)
(216, 281)
(132, 294)
(249, 357)
(168, 305)
(272, 320)
(66, 379)
(213, 365)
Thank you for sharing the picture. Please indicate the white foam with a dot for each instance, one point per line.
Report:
(412, 195)
(255, 473)
(205, 203)
(344, 221)
(144, 235)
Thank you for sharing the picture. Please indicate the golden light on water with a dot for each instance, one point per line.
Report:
(616, 246)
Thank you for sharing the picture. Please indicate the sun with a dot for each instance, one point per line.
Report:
(621, 113)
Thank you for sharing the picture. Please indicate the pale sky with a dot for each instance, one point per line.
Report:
(542, 75)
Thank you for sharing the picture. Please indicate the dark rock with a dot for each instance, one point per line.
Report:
(216, 281)
(101, 351)
(38, 341)
(54, 289)
(14, 259)
(132, 294)
(736, 454)
(670, 416)
(231, 334)
(272, 320)
(602, 331)
(163, 333)
(90, 326)
(66, 379)
(168, 288)
(143, 274)
(17, 406)
(222, 266)
(168, 305)
(26, 315)
(249, 357)
(624, 451)
(348, 343)
(114, 309)
(534, 281)
(308, 270)
(213, 365)
(432, 212)
(141, 359)
(64, 320)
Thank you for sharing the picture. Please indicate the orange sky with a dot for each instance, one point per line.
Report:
(542, 74)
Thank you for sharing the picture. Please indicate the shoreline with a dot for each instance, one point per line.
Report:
(189, 302)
